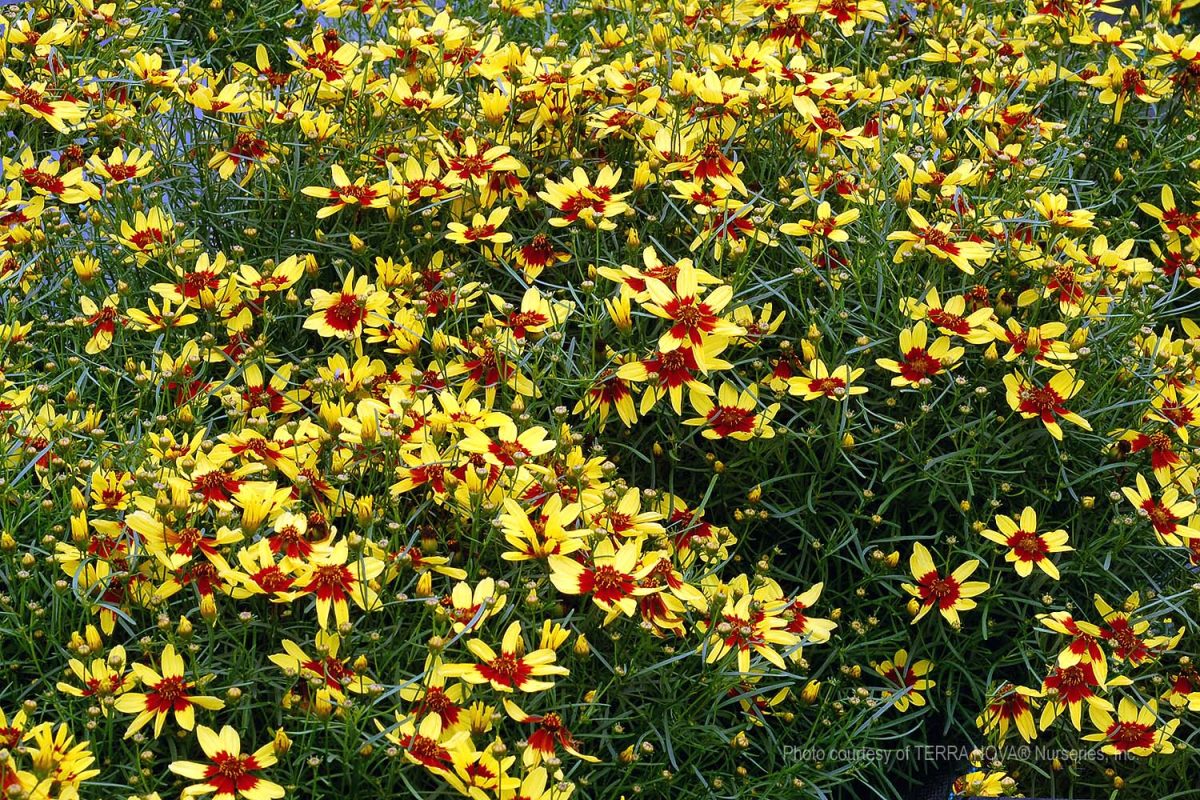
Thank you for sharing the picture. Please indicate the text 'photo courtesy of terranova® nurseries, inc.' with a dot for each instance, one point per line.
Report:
(599, 399)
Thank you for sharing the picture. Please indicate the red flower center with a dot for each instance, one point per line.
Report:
(1128, 735)
(919, 364)
(727, 420)
(944, 592)
(231, 773)
(346, 313)
(506, 669)
(171, 693)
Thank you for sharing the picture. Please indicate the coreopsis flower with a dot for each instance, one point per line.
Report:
(919, 363)
(847, 14)
(101, 678)
(826, 226)
(1127, 636)
(541, 533)
(1166, 513)
(608, 391)
(734, 224)
(259, 574)
(228, 772)
(746, 627)
(346, 193)
(120, 166)
(47, 178)
(936, 182)
(635, 282)
(512, 669)
(343, 314)
(940, 241)
(418, 183)
(1135, 730)
(1011, 706)
(151, 234)
(536, 255)
(103, 320)
(481, 229)
(429, 742)
(1046, 402)
(758, 327)
(951, 318)
(334, 675)
(625, 517)
(1052, 207)
(1069, 688)
(950, 594)
(59, 764)
(491, 363)
(535, 315)
(734, 414)
(820, 381)
(433, 696)
(539, 784)
(1085, 638)
(165, 694)
(1164, 460)
(905, 681)
(231, 98)
(36, 100)
(1039, 342)
(202, 283)
(469, 607)
(548, 736)
(471, 164)
(1118, 83)
(175, 546)
(978, 783)
(154, 319)
(669, 373)
(333, 578)
(508, 446)
(812, 629)
(609, 574)
(579, 198)
(1173, 221)
(1027, 547)
(1178, 407)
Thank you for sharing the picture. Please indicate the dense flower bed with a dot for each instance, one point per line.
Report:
(664, 399)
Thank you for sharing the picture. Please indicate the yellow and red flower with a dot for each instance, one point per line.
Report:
(1027, 548)
(919, 363)
(343, 314)
(1135, 730)
(948, 594)
(228, 772)
(905, 681)
(513, 669)
(167, 694)
(1046, 402)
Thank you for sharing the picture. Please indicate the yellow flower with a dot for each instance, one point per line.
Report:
(950, 594)
(825, 226)
(1046, 402)
(734, 415)
(481, 229)
(940, 241)
(918, 364)
(228, 773)
(345, 193)
(343, 314)
(579, 199)
(1026, 547)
